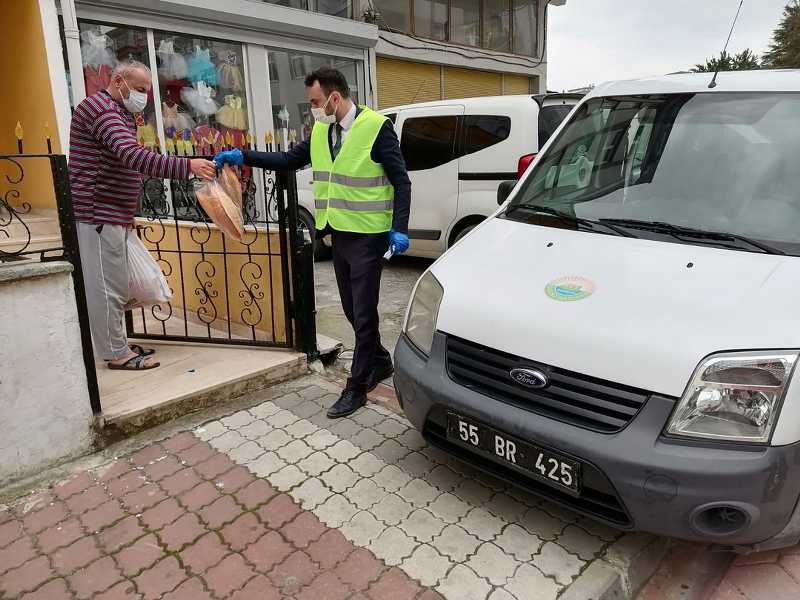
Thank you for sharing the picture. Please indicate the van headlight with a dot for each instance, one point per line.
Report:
(421, 321)
(734, 397)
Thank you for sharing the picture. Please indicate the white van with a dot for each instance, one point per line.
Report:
(621, 337)
(457, 152)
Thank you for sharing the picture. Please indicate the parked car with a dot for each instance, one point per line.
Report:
(457, 153)
(621, 336)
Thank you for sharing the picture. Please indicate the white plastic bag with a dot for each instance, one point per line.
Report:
(146, 282)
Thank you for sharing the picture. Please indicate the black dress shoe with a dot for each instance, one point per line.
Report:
(348, 403)
(379, 373)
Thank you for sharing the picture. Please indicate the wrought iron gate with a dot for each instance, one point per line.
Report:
(257, 292)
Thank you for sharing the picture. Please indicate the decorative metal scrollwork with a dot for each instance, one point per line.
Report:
(11, 215)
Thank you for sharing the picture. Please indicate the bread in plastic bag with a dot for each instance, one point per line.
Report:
(146, 282)
(221, 198)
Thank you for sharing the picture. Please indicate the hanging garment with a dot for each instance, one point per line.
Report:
(201, 68)
(173, 65)
(230, 75)
(175, 119)
(206, 146)
(146, 136)
(95, 49)
(200, 98)
(232, 114)
(96, 78)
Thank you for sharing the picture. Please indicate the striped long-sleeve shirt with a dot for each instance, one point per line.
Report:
(106, 164)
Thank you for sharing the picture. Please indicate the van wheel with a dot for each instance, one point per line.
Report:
(464, 230)
(306, 223)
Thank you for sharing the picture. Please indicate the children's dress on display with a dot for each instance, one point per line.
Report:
(175, 119)
(95, 49)
(230, 75)
(146, 136)
(173, 65)
(201, 68)
(203, 146)
(200, 98)
(96, 78)
(232, 114)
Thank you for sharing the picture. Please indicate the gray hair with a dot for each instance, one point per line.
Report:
(128, 66)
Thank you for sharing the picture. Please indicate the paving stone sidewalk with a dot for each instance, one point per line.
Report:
(277, 501)
(773, 575)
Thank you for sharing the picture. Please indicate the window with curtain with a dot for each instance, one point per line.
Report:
(430, 19)
(465, 22)
(496, 25)
(394, 14)
(291, 112)
(526, 27)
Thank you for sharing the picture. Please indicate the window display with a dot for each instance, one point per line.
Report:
(204, 101)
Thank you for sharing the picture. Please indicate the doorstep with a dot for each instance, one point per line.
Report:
(191, 377)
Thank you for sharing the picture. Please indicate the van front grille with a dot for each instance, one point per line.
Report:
(570, 397)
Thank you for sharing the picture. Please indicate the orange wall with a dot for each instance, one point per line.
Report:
(26, 96)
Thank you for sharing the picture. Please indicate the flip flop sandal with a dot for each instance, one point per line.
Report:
(142, 351)
(136, 363)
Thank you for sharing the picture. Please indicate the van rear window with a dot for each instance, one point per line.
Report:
(550, 117)
(484, 131)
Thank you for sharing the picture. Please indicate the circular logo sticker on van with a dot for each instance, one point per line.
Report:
(570, 289)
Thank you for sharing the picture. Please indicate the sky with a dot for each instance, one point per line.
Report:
(591, 41)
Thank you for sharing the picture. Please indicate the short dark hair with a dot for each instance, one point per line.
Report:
(330, 80)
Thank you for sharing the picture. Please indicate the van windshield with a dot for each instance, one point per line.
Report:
(660, 166)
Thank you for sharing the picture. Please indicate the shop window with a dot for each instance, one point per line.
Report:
(395, 15)
(484, 131)
(337, 8)
(465, 22)
(103, 47)
(291, 112)
(496, 25)
(526, 27)
(203, 96)
(430, 19)
(428, 142)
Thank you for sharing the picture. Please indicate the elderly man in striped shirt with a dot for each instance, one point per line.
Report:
(106, 168)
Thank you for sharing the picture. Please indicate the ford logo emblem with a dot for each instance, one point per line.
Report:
(531, 378)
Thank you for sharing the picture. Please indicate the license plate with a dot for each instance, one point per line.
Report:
(544, 465)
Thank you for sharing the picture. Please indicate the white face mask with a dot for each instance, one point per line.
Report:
(136, 100)
(321, 117)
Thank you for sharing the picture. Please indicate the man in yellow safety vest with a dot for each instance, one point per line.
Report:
(363, 198)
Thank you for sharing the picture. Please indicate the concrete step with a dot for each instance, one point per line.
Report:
(191, 377)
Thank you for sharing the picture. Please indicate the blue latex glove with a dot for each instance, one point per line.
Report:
(232, 157)
(398, 242)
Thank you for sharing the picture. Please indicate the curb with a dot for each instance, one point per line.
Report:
(622, 571)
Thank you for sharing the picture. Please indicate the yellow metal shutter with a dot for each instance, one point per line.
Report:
(516, 84)
(468, 83)
(403, 82)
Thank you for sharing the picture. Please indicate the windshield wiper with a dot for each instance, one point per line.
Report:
(677, 230)
(565, 216)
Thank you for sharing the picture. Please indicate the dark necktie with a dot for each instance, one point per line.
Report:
(337, 143)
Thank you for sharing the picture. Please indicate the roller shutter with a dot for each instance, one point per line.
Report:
(469, 83)
(403, 82)
(516, 84)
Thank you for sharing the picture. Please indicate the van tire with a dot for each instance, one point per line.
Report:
(321, 251)
(463, 228)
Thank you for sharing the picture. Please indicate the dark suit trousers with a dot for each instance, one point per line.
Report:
(358, 262)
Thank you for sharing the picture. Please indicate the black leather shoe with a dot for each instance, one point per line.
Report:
(379, 374)
(348, 403)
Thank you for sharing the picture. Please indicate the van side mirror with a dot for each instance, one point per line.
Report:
(504, 191)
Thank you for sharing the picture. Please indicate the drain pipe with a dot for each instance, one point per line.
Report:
(72, 34)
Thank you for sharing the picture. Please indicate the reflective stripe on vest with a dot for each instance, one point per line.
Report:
(353, 192)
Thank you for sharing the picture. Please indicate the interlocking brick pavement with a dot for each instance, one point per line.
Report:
(773, 575)
(278, 502)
